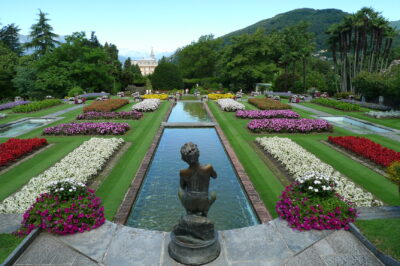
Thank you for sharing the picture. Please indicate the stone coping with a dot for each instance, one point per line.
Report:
(252, 194)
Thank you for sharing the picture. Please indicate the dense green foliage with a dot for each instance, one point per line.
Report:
(9, 37)
(130, 74)
(8, 63)
(166, 76)
(35, 106)
(337, 104)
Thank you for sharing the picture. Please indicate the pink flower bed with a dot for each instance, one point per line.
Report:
(89, 128)
(259, 114)
(303, 212)
(281, 125)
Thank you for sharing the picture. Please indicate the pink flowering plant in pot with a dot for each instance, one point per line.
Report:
(312, 203)
(69, 207)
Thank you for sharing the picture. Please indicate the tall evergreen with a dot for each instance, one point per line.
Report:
(42, 38)
(94, 42)
(9, 37)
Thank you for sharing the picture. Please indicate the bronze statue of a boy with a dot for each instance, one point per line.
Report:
(195, 181)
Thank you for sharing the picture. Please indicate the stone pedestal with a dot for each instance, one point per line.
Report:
(194, 241)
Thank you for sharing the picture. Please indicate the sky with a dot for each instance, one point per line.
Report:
(136, 26)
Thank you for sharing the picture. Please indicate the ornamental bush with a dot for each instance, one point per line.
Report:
(69, 207)
(105, 106)
(269, 104)
(337, 104)
(36, 106)
(305, 211)
(394, 172)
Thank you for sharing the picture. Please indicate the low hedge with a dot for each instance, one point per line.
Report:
(269, 104)
(36, 106)
(105, 106)
(337, 104)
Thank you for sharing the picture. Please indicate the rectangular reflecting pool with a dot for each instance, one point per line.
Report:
(157, 205)
(23, 126)
(189, 111)
(348, 123)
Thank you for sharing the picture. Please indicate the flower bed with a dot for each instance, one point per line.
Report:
(305, 212)
(13, 149)
(148, 105)
(367, 149)
(389, 114)
(336, 104)
(298, 161)
(374, 106)
(269, 104)
(259, 114)
(217, 96)
(162, 96)
(93, 95)
(230, 105)
(105, 106)
(69, 207)
(281, 125)
(36, 106)
(88, 128)
(109, 115)
(12, 104)
(80, 165)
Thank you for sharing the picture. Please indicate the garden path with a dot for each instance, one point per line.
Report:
(273, 243)
(65, 111)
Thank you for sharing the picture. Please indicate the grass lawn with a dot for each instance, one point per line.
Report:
(392, 122)
(8, 243)
(15, 116)
(266, 182)
(383, 233)
(113, 189)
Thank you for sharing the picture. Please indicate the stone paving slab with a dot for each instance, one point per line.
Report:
(9, 223)
(384, 212)
(261, 245)
(65, 111)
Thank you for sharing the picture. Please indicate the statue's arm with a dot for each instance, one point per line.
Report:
(182, 180)
(213, 174)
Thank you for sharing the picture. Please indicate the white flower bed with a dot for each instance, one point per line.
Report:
(297, 161)
(388, 114)
(80, 165)
(230, 105)
(147, 105)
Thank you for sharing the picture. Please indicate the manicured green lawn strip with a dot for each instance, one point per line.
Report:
(383, 233)
(363, 176)
(15, 116)
(125, 108)
(8, 243)
(113, 189)
(264, 181)
(393, 123)
(18, 176)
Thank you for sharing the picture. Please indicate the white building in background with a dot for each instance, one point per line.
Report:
(147, 65)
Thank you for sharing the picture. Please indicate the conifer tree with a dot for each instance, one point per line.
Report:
(9, 37)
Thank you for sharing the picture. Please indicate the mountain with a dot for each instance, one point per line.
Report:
(320, 21)
(395, 24)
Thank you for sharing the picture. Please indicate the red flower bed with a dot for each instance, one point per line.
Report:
(105, 106)
(16, 148)
(367, 149)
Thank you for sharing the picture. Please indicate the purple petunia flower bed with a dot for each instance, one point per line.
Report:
(109, 115)
(12, 104)
(88, 128)
(281, 125)
(259, 114)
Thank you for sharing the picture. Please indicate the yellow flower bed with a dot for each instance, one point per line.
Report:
(155, 96)
(216, 96)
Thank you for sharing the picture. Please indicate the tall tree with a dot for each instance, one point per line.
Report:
(166, 76)
(8, 62)
(9, 36)
(94, 42)
(42, 38)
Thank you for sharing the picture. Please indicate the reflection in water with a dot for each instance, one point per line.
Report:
(189, 111)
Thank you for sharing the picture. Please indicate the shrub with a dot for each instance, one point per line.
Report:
(343, 95)
(36, 106)
(69, 207)
(336, 104)
(268, 104)
(394, 172)
(105, 106)
(75, 91)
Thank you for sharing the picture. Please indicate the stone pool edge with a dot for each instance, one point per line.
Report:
(262, 213)
(130, 196)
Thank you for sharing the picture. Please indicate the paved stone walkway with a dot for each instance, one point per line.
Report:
(311, 110)
(384, 212)
(77, 106)
(9, 222)
(272, 243)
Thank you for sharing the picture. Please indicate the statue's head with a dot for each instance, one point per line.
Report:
(190, 153)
